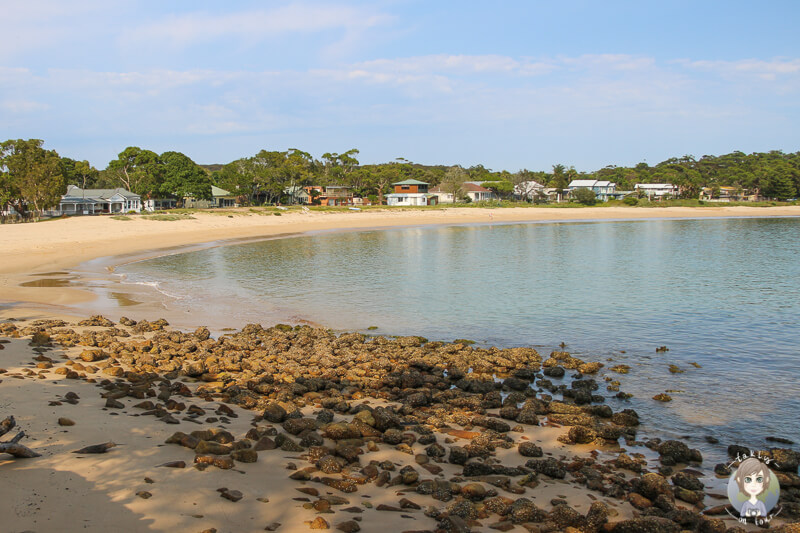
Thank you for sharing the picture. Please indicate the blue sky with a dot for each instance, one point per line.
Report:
(507, 84)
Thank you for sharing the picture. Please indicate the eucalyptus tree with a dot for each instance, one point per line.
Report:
(138, 170)
(181, 177)
(30, 176)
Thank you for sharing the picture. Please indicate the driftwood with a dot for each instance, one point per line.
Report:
(13, 447)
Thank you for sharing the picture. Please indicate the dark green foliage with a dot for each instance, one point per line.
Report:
(631, 200)
(584, 196)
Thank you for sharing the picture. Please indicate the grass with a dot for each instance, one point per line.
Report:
(163, 217)
(121, 217)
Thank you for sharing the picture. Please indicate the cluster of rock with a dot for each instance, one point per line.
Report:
(432, 397)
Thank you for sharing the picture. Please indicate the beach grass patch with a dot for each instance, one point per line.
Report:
(121, 217)
(172, 217)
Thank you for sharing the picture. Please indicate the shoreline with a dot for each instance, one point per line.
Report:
(32, 251)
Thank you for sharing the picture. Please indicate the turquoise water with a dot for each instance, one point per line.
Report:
(722, 293)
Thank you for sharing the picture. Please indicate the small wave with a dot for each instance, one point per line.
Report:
(157, 286)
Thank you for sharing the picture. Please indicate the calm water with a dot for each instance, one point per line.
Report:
(722, 293)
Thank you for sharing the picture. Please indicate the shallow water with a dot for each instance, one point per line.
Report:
(721, 293)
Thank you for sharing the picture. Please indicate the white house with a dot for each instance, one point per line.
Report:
(602, 189)
(470, 189)
(656, 190)
(528, 190)
(158, 204)
(411, 192)
(79, 201)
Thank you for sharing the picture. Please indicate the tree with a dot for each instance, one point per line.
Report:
(80, 173)
(181, 177)
(453, 181)
(585, 196)
(137, 170)
(32, 176)
(501, 188)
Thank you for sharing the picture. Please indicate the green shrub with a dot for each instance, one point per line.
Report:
(585, 196)
(630, 200)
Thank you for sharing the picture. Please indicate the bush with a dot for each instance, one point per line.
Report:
(630, 200)
(585, 196)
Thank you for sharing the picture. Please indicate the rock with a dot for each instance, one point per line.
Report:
(295, 426)
(473, 491)
(174, 464)
(639, 501)
(581, 435)
(687, 481)
(96, 448)
(674, 451)
(143, 494)
(565, 516)
(245, 456)
(529, 449)
(274, 413)
(523, 510)
(651, 486)
(554, 372)
(210, 447)
(232, 495)
(330, 464)
(319, 523)
(264, 443)
(341, 430)
(350, 526)
(455, 524)
(65, 422)
(550, 467)
(662, 397)
(648, 524)
(458, 455)
(408, 504)
(183, 439)
(111, 403)
(689, 496)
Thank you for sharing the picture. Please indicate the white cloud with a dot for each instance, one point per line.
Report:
(252, 26)
(23, 106)
(773, 69)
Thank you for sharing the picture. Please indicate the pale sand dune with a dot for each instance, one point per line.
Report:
(61, 244)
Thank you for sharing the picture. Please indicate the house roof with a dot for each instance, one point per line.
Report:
(654, 186)
(602, 184)
(102, 194)
(410, 182)
(216, 191)
(472, 187)
(582, 183)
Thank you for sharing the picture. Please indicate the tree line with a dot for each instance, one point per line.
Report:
(33, 178)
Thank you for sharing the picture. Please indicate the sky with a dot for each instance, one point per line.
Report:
(509, 84)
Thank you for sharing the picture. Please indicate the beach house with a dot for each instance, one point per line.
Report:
(469, 189)
(411, 192)
(656, 191)
(603, 190)
(79, 201)
(528, 190)
(219, 198)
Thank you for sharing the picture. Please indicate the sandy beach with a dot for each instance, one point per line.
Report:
(110, 373)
